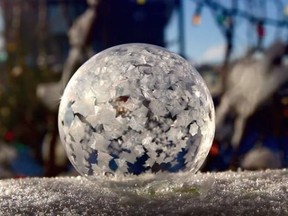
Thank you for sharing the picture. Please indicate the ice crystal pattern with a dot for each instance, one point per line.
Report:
(134, 109)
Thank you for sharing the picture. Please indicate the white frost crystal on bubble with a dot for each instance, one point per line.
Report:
(135, 109)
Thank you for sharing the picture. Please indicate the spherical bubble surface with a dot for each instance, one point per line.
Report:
(135, 109)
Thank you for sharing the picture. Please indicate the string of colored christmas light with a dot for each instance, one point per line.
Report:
(196, 20)
(216, 6)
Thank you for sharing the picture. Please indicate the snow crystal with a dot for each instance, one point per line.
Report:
(99, 142)
(193, 129)
(77, 129)
(84, 106)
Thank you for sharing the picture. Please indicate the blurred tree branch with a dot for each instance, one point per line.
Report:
(79, 51)
(78, 38)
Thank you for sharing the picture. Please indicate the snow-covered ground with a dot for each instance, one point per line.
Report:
(227, 193)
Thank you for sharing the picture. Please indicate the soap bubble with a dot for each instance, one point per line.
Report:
(135, 109)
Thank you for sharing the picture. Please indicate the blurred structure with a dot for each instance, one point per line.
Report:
(250, 83)
(261, 158)
(7, 154)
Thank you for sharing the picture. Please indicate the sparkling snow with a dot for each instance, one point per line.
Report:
(227, 193)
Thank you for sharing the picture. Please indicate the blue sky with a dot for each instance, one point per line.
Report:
(205, 42)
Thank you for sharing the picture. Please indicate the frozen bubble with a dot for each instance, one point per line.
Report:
(135, 109)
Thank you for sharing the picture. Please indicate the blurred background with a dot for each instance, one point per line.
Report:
(238, 46)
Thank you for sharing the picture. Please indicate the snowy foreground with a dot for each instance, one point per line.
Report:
(227, 193)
